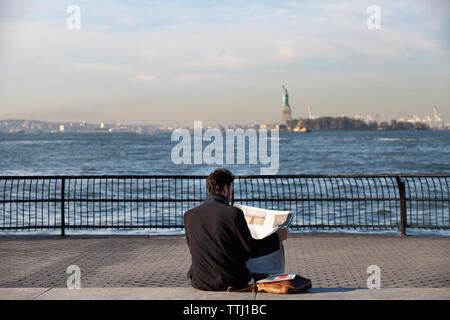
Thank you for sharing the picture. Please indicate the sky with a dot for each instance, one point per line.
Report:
(222, 62)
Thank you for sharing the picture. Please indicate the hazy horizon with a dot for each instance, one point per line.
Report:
(151, 63)
(204, 123)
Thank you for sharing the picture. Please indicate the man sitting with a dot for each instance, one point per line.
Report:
(219, 240)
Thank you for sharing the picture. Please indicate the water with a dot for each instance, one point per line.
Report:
(339, 152)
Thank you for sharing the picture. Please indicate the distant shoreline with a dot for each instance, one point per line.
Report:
(344, 123)
(298, 125)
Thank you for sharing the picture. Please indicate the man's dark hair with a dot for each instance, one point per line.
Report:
(217, 180)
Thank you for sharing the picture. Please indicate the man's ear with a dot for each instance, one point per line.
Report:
(225, 190)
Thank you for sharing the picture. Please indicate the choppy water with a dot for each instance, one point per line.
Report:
(339, 152)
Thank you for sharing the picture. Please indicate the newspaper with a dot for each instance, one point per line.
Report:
(261, 223)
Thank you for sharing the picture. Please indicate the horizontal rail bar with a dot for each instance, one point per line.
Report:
(99, 227)
(424, 175)
(100, 200)
(201, 200)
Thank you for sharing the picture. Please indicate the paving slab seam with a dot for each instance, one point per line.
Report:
(34, 298)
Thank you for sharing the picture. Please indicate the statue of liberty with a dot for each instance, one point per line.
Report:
(285, 98)
(286, 110)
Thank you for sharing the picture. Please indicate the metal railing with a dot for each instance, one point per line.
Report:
(159, 202)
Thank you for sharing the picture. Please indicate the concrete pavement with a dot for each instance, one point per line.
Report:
(154, 267)
(162, 293)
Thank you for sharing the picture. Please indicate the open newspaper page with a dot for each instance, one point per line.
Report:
(261, 223)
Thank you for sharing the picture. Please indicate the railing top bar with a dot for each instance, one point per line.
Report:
(103, 177)
(44, 177)
(344, 175)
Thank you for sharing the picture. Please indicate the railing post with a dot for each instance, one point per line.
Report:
(402, 193)
(63, 224)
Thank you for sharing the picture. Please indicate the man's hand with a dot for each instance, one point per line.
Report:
(282, 233)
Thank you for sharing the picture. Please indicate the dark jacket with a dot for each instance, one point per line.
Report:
(220, 244)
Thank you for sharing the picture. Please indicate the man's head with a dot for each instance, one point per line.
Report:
(220, 182)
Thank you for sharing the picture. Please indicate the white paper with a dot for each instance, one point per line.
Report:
(261, 223)
(278, 277)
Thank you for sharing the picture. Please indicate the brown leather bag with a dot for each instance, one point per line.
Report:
(296, 285)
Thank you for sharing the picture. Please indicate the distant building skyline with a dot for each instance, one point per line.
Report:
(222, 63)
(435, 121)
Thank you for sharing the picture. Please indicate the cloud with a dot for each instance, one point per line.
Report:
(287, 52)
(104, 68)
(121, 46)
(144, 78)
(100, 67)
(196, 78)
(225, 58)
